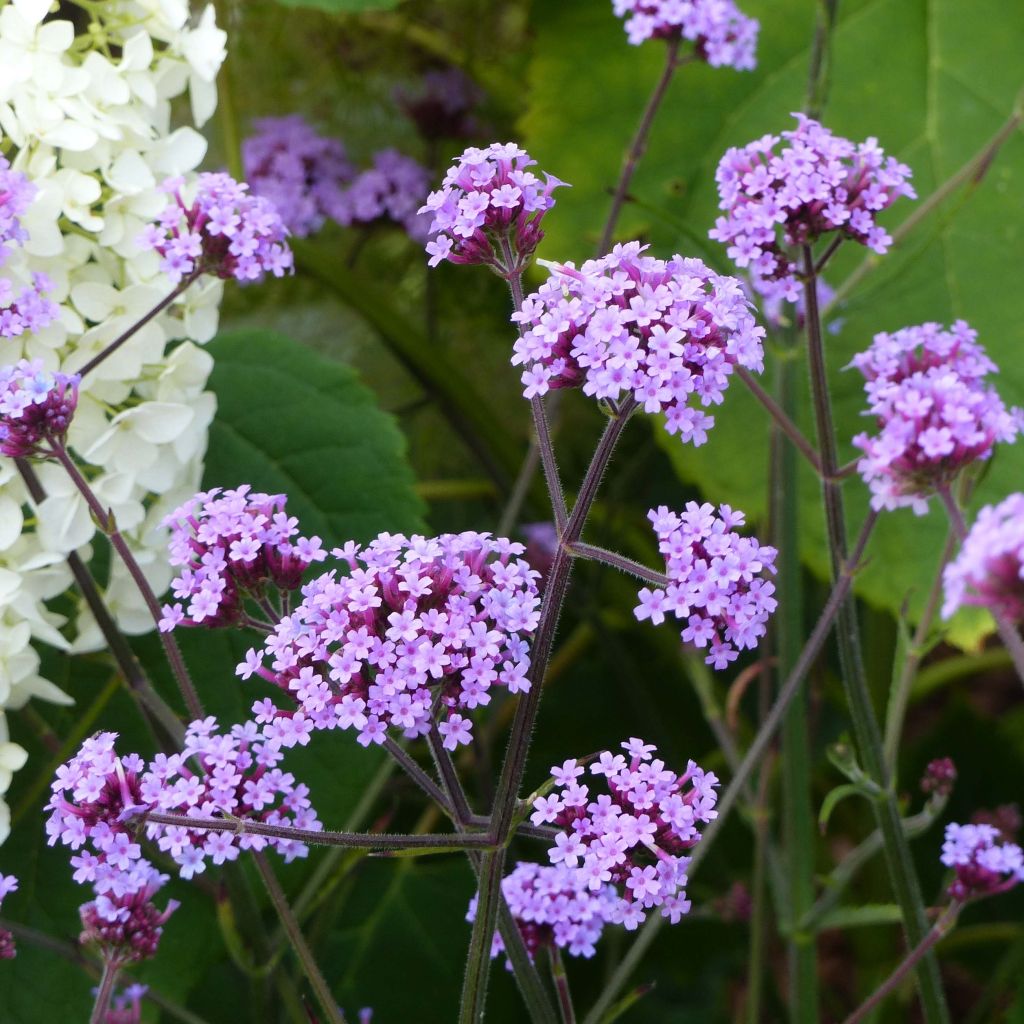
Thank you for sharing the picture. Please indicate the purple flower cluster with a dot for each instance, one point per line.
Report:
(303, 173)
(983, 864)
(127, 927)
(230, 545)
(665, 333)
(8, 884)
(126, 1005)
(636, 835)
(553, 906)
(718, 583)
(721, 33)
(818, 183)
(36, 407)
(96, 795)
(27, 310)
(222, 230)
(16, 194)
(416, 624)
(441, 104)
(392, 189)
(935, 412)
(489, 209)
(989, 568)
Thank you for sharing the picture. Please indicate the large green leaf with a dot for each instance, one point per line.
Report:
(952, 86)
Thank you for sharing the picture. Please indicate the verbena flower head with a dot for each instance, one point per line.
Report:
(553, 905)
(392, 189)
(232, 545)
(634, 837)
(818, 183)
(126, 1005)
(666, 334)
(440, 104)
(26, 309)
(939, 777)
(721, 33)
(984, 865)
(219, 229)
(989, 568)
(303, 173)
(935, 413)
(489, 209)
(719, 582)
(411, 625)
(36, 407)
(16, 195)
(8, 884)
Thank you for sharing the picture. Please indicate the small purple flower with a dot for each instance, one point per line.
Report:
(722, 35)
(126, 1005)
(16, 195)
(36, 407)
(221, 230)
(392, 190)
(817, 184)
(440, 104)
(983, 864)
(719, 582)
(28, 310)
(8, 884)
(635, 837)
(489, 210)
(667, 334)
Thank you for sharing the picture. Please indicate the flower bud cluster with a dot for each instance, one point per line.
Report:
(635, 837)
(489, 209)
(8, 884)
(717, 580)
(416, 624)
(666, 334)
(989, 568)
(935, 412)
(230, 545)
(983, 864)
(817, 184)
(939, 777)
(36, 407)
(721, 33)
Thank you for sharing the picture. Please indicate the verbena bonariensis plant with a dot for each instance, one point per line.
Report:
(406, 640)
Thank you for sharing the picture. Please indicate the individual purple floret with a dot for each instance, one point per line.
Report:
(818, 183)
(36, 407)
(489, 209)
(220, 229)
(27, 310)
(989, 568)
(635, 837)
(440, 104)
(126, 1005)
(721, 33)
(304, 174)
(984, 865)
(8, 951)
(16, 194)
(666, 334)
(392, 189)
(553, 906)
(414, 624)
(232, 545)
(718, 580)
(935, 413)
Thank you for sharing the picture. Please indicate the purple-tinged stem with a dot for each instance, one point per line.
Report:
(592, 553)
(456, 795)
(561, 980)
(418, 775)
(827, 255)
(105, 522)
(103, 993)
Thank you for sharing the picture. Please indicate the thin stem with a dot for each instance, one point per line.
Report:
(105, 521)
(561, 980)
(620, 562)
(546, 451)
(310, 968)
(137, 326)
(463, 813)
(818, 78)
(639, 143)
(418, 775)
(939, 931)
(828, 254)
(104, 992)
(521, 487)
(759, 905)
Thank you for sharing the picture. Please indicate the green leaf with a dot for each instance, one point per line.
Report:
(833, 799)
(343, 6)
(954, 84)
(860, 917)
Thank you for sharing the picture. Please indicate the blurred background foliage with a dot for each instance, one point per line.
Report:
(380, 397)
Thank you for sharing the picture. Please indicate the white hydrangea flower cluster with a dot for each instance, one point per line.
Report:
(87, 118)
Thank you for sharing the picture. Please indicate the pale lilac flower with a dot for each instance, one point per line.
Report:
(984, 865)
(16, 195)
(666, 334)
(719, 584)
(393, 189)
(818, 183)
(722, 35)
(27, 310)
(8, 884)
(403, 625)
(635, 837)
(935, 413)
(36, 407)
(489, 209)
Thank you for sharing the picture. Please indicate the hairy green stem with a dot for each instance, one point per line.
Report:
(620, 562)
(104, 992)
(561, 981)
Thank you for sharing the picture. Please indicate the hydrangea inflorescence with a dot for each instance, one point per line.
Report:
(665, 333)
(8, 884)
(489, 209)
(935, 412)
(718, 580)
(636, 836)
(989, 568)
(817, 184)
(721, 33)
(984, 865)
(218, 229)
(230, 545)
(36, 407)
(416, 624)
